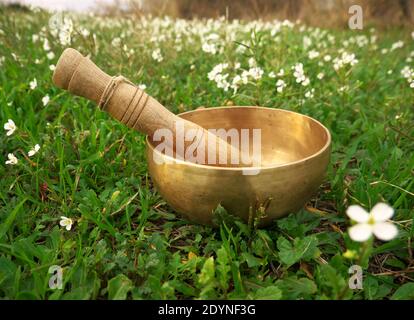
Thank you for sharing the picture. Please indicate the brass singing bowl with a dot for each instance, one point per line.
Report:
(295, 152)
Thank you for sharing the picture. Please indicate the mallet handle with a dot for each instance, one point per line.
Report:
(123, 100)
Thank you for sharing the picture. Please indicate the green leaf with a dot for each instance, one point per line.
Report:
(207, 272)
(370, 288)
(206, 279)
(223, 267)
(396, 263)
(80, 293)
(9, 221)
(405, 292)
(268, 293)
(7, 270)
(305, 248)
(329, 277)
(182, 287)
(375, 288)
(251, 260)
(26, 295)
(118, 287)
(294, 287)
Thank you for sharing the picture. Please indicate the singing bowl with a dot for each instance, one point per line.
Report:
(295, 152)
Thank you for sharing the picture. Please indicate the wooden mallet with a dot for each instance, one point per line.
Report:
(132, 106)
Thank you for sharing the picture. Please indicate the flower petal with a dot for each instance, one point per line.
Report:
(382, 212)
(69, 226)
(63, 222)
(357, 213)
(360, 232)
(385, 231)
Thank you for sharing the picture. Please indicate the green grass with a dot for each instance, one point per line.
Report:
(126, 242)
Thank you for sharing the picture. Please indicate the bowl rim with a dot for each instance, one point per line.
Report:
(282, 165)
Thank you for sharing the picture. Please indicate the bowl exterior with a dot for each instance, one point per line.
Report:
(196, 193)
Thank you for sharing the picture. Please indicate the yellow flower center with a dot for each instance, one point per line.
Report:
(371, 220)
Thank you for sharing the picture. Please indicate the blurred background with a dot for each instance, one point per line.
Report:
(314, 12)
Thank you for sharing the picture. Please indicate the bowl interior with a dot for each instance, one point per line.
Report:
(285, 136)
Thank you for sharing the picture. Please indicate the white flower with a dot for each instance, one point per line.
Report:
(10, 127)
(310, 94)
(236, 83)
(217, 70)
(305, 82)
(52, 67)
(281, 73)
(209, 48)
(272, 75)
(33, 151)
(240, 49)
(345, 59)
(142, 86)
(374, 222)
(256, 73)
(50, 55)
(85, 32)
(245, 76)
(65, 31)
(33, 84)
(46, 45)
(343, 88)
(220, 79)
(12, 159)
(116, 42)
(327, 58)
(299, 74)
(313, 54)
(157, 56)
(252, 62)
(66, 222)
(307, 42)
(280, 85)
(407, 72)
(45, 100)
(320, 76)
(397, 45)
